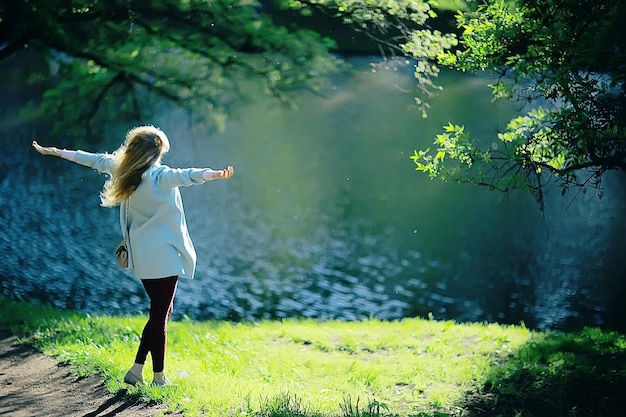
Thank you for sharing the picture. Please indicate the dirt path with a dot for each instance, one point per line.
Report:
(32, 384)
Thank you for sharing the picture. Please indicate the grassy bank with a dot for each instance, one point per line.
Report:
(306, 368)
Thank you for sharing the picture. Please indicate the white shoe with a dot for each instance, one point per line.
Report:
(132, 379)
(162, 382)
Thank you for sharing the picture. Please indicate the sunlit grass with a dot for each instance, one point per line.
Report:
(412, 367)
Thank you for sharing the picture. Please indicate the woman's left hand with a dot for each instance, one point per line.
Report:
(46, 150)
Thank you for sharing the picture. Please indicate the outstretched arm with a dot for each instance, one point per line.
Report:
(51, 150)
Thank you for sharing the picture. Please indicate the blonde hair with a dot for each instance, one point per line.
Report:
(144, 146)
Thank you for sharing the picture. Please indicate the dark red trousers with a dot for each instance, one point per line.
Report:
(154, 336)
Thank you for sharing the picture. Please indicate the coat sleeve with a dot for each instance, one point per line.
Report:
(101, 162)
(167, 177)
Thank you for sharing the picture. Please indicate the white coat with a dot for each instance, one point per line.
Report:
(157, 237)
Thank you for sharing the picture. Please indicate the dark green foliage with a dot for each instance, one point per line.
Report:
(118, 58)
(566, 61)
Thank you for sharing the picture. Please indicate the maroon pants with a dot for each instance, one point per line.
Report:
(154, 337)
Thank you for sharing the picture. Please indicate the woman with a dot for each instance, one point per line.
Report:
(153, 223)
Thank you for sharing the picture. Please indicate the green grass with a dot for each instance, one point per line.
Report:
(307, 368)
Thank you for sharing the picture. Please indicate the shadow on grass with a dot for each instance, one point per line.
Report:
(557, 375)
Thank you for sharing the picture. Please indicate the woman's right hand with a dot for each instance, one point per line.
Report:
(224, 174)
(50, 150)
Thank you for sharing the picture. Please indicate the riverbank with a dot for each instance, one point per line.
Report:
(307, 368)
(33, 384)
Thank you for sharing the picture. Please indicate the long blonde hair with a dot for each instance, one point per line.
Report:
(144, 146)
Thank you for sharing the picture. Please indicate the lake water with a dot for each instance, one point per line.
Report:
(325, 217)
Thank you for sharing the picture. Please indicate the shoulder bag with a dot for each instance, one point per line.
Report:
(121, 252)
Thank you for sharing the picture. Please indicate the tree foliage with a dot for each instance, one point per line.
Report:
(400, 28)
(117, 58)
(566, 61)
